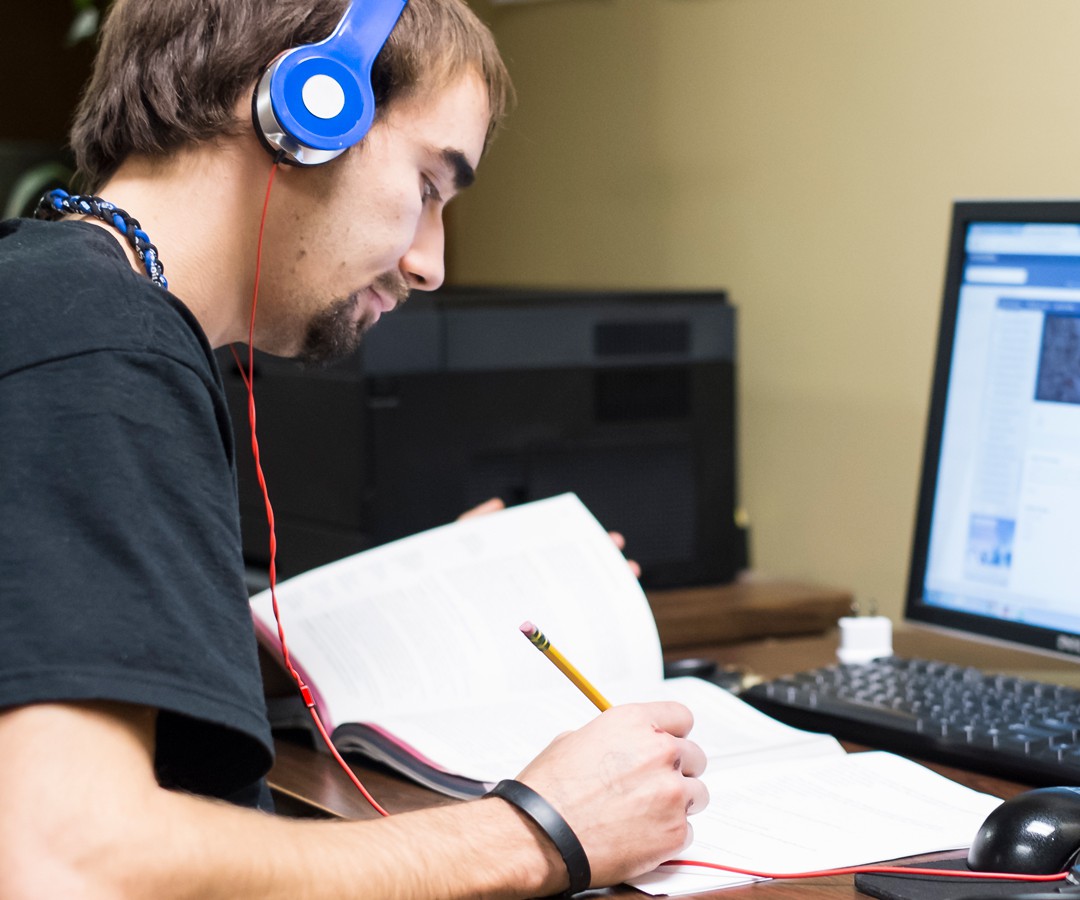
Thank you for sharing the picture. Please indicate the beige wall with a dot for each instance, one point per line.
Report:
(804, 155)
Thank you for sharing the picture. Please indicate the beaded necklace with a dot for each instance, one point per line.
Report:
(59, 203)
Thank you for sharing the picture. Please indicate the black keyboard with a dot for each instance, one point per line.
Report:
(1010, 727)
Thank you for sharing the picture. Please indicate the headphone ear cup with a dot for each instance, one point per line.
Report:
(315, 101)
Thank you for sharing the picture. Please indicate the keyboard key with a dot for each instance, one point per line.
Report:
(1000, 724)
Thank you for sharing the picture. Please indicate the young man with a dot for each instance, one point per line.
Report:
(130, 704)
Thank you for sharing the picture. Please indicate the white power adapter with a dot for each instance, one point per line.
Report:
(863, 638)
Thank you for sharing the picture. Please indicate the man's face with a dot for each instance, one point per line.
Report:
(346, 242)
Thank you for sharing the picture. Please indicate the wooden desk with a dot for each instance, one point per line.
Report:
(307, 782)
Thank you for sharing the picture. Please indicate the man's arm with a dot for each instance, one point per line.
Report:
(83, 816)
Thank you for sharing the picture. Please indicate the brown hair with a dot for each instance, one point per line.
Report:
(170, 73)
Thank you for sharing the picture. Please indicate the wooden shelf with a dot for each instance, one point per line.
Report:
(744, 610)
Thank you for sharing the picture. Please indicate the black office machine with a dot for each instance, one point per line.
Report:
(627, 399)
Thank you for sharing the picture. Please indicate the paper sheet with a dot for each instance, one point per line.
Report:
(800, 816)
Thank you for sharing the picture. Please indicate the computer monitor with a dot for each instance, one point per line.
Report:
(624, 398)
(996, 550)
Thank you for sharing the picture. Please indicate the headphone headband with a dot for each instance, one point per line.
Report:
(315, 101)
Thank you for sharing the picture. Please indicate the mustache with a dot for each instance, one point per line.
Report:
(393, 284)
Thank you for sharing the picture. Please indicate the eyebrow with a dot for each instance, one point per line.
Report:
(464, 173)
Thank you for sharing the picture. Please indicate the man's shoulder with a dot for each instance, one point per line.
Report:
(53, 255)
(66, 289)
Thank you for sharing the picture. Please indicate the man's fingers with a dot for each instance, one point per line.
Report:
(692, 759)
(670, 716)
(620, 542)
(488, 506)
(697, 796)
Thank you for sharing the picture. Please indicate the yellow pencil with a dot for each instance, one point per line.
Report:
(535, 635)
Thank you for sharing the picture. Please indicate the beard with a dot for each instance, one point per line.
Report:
(334, 333)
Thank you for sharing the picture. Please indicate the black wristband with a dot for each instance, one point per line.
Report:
(553, 825)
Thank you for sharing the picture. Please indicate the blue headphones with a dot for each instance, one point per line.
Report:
(315, 101)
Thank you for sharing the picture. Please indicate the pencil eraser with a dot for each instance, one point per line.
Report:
(863, 638)
(528, 629)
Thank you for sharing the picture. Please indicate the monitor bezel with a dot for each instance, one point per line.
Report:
(964, 214)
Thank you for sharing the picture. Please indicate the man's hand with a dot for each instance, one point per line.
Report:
(625, 783)
(496, 503)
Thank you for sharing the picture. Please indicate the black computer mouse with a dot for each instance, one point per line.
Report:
(1034, 833)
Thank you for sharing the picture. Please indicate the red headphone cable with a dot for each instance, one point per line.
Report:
(248, 377)
(872, 870)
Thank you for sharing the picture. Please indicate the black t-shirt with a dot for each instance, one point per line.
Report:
(121, 574)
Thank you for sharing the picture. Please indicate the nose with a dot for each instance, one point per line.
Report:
(423, 264)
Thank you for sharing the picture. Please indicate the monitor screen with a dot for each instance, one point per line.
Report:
(997, 539)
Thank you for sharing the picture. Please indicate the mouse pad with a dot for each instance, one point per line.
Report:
(926, 887)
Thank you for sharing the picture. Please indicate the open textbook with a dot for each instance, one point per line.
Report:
(414, 654)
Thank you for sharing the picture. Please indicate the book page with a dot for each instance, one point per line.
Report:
(432, 621)
(823, 813)
(730, 731)
(487, 745)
